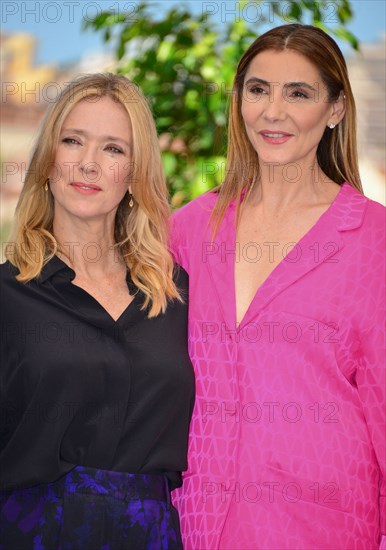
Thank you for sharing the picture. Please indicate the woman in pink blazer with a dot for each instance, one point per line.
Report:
(286, 268)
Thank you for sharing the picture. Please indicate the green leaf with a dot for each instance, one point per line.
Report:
(169, 162)
(296, 11)
(345, 34)
(121, 49)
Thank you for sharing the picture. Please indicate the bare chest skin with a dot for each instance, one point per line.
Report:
(263, 244)
(112, 293)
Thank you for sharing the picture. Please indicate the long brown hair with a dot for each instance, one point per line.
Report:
(141, 233)
(337, 150)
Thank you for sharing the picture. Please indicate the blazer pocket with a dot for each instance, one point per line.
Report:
(294, 488)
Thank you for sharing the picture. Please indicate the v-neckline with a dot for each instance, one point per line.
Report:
(104, 310)
(89, 307)
(278, 268)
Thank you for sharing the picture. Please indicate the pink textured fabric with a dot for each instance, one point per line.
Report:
(287, 444)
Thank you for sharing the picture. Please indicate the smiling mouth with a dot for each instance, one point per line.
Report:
(275, 138)
(86, 187)
(275, 134)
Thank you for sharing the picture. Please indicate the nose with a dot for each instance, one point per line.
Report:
(275, 107)
(88, 163)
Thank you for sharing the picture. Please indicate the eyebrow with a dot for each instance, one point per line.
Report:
(256, 80)
(103, 138)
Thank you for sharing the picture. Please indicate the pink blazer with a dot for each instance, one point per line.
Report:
(287, 443)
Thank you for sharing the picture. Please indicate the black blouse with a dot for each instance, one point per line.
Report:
(78, 388)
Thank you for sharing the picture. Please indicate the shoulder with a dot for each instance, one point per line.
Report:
(12, 292)
(357, 199)
(190, 222)
(375, 212)
(181, 280)
(358, 212)
(180, 277)
(8, 272)
(373, 236)
(374, 222)
(188, 225)
(366, 241)
(196, 210)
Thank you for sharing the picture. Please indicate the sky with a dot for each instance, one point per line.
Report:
(60, 39)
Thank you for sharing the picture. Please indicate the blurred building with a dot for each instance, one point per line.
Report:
(22, 110)
(368, 78)
(27, 91)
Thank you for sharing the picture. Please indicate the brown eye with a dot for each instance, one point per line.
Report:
(114, 149)
(299, 94)
(257, 90)
(71, 141)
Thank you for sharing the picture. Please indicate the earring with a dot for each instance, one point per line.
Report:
(131, 201)
(46, 185)
(331, 125)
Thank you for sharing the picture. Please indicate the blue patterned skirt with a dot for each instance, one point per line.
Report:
(90, 509)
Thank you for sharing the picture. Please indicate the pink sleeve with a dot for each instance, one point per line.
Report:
(178, 241)
(371, 383)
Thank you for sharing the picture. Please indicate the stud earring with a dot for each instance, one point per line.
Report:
(46, 185)
(331, 125)
(131, 201)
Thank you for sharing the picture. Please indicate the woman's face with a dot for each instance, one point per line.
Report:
(285, 108)
(92, 162)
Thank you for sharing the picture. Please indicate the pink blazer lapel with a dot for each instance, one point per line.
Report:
(320, 245)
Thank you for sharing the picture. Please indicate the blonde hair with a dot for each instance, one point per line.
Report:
(337, 150)
(141, 233)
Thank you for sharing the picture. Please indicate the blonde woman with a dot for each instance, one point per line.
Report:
(97, 386)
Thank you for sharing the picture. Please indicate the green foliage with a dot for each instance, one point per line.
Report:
(185, 64)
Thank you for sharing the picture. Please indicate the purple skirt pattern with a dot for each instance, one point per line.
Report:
(90, 509)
